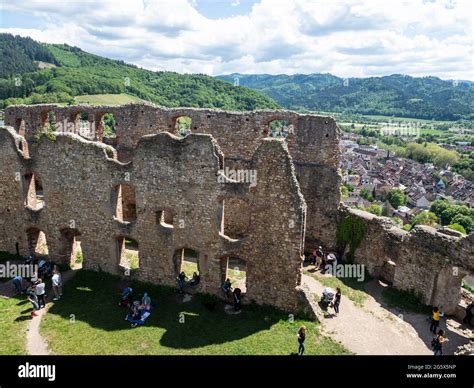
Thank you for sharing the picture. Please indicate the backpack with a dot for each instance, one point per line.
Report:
(435, 344)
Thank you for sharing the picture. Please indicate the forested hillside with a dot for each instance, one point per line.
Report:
(18, 55)
(394, 95)
(73, 72)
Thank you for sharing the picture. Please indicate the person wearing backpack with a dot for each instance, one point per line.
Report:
(438, 343)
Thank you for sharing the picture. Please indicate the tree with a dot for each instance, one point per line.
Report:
(425, 218)
(465, 221)
(438, 206)
(396, 198)
(375, 209)
(366, 194)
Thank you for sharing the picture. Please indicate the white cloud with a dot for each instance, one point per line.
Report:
(344, 37)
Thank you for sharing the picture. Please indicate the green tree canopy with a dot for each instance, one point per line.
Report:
(396, 198)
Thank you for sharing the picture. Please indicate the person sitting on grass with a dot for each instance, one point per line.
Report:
(34, 300)
(134, 314)
(181, 281)
(227, 287)
(195, 280)
(126, 298)
(137, 314)
(146, 302)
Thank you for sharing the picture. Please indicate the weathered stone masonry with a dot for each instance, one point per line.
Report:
(80, 177)
(296, 199)
(429, 262)
(313, 144)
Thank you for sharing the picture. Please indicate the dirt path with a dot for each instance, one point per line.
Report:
(35, 343)
(375, 330)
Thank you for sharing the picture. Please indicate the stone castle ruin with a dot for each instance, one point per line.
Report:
(227, 190)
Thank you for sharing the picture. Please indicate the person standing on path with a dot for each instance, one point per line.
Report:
(337, 300)
(301, 339)
(40, 293)
(468, 317)
(435, 320)
(34, 301)
(439, 343)
(319, 257)
(56, 279)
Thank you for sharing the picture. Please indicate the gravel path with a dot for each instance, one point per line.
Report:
(375, 330)
(35, 343)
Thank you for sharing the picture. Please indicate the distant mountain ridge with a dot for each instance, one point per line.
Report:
(32, 72)
(393, 95)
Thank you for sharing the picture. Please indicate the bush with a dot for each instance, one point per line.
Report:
(375, 209)
(425, 218)
(457, 227)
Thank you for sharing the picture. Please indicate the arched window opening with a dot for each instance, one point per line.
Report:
(234, 269)
(34, 195)
(125, 203)
(37, 243)
(129, 254)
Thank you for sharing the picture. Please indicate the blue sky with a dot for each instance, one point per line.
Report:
(348, 38)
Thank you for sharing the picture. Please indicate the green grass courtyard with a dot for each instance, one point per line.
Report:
(88, 320)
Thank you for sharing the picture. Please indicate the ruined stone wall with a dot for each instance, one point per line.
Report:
(431, 263)
(312, 142)
(80, 180)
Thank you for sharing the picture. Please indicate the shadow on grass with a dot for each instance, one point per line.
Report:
(93, 298)
(22, 318)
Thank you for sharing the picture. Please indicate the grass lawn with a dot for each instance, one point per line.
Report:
(88, 320)
(350, 288)
(15, 314)
(107, 99)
